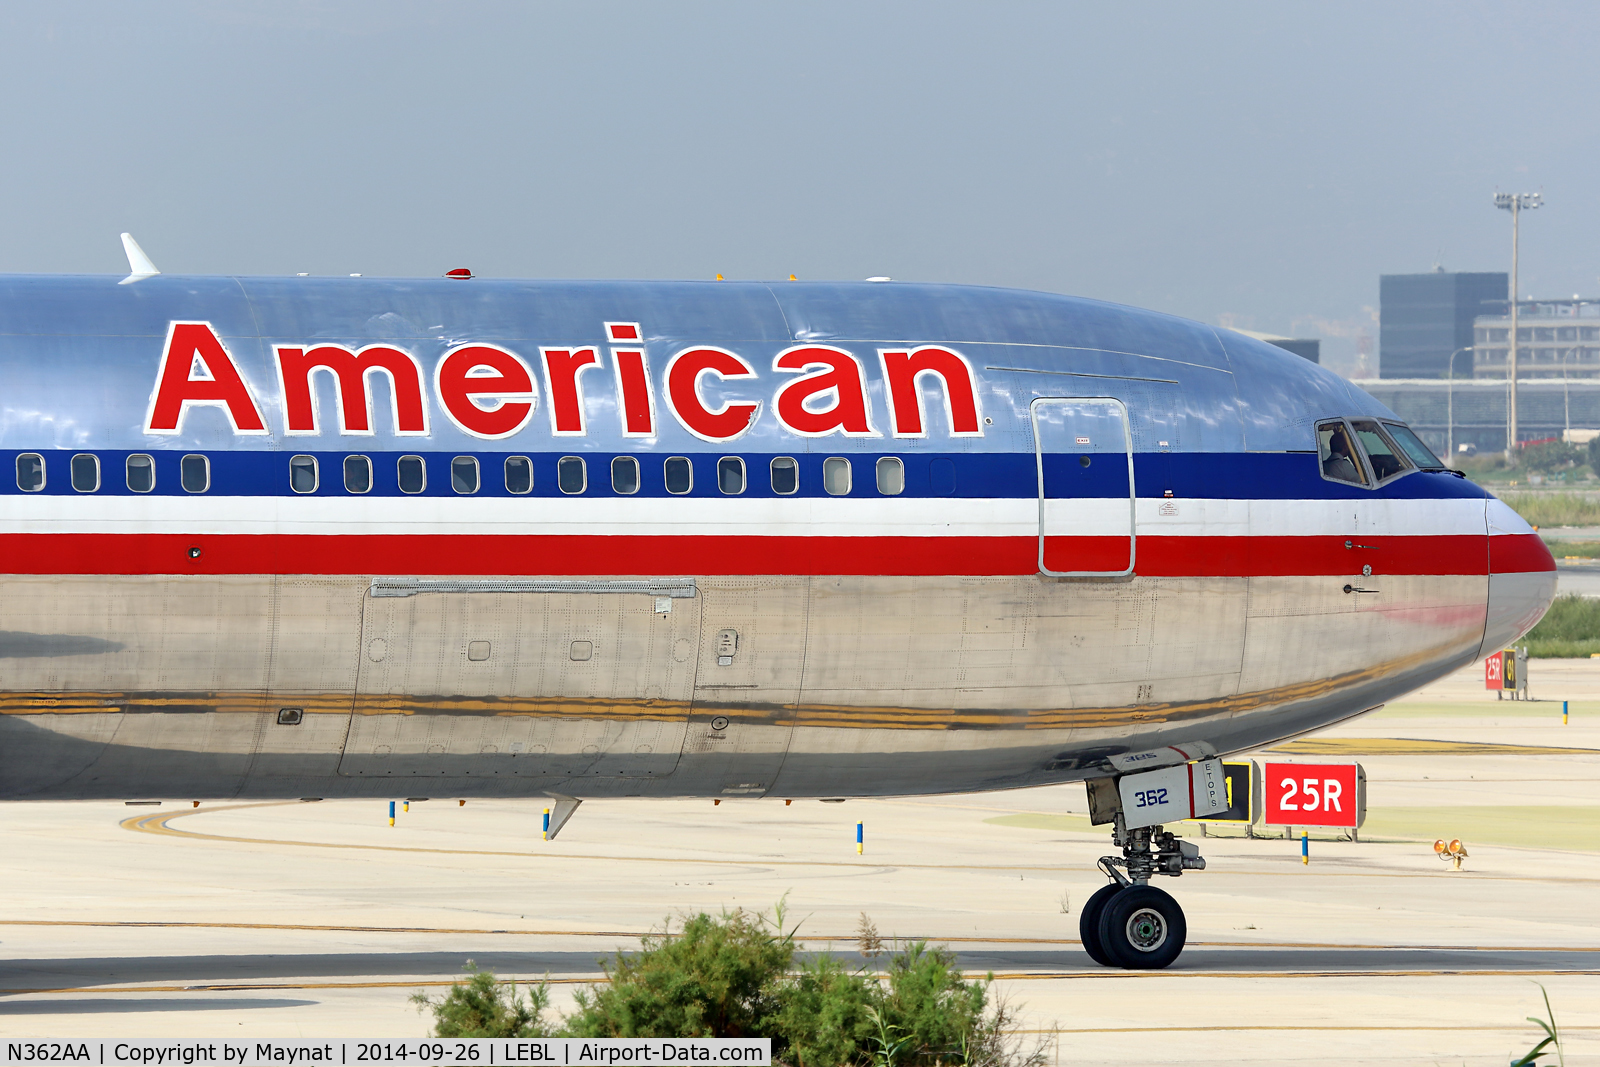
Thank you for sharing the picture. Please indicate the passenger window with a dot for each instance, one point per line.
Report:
(572, 475)
(1337, 455)
(1413, 447)
(730, 475)
(942, 477)
(625, 475)
(891, 476)
(30, 472)
(141, 473)
(357, 474)
(1385, 457)
(464, 475)
(413, 474)
(303, 474)
(86, 472)
(680, 475)
(195, 474)
(785, 476)
(836, 476)
(519, 475)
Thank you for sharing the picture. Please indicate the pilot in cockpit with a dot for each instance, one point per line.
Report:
(1339, 460)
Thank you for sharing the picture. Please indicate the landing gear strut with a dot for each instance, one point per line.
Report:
(1130, 923)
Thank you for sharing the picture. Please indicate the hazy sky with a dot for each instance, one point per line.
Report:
(1258, 164)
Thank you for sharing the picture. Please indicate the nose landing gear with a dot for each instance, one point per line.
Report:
(1131, 923)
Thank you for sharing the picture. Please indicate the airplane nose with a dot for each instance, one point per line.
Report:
(1522, 578)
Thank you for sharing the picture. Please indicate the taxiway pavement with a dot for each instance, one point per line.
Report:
(320, 920)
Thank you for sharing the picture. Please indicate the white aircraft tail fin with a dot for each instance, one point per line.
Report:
(139, 265)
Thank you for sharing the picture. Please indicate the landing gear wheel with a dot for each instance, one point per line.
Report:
(1089, 923)
(1142, 928)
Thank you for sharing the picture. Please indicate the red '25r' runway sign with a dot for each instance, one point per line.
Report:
(1312, 794)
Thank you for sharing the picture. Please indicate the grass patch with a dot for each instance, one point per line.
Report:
(1538, 649)
(1574, 829)
(1485, 709)
(1555, 509)
(1574, 549)
(1571, 628)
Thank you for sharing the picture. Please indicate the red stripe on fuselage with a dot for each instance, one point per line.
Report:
(447, 554)
(1519, 553)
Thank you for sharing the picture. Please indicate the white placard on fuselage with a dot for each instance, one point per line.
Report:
(1172, 794)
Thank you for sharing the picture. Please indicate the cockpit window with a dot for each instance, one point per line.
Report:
(1387, 461)
(1412, 446)
(1337, 454)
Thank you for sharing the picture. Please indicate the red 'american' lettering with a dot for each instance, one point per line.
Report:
(684, 372)
(197, 371)
(489, 392)
(351, 371)
(486, 391)
(836, 379)
(563, 368)
(637, 400)
(902, 374)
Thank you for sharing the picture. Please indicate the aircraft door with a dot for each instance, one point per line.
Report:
(747, 685)
(1086, 493)
(569, 680)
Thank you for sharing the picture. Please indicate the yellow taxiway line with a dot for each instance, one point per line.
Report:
(804, 938)
(1006, 976)
(158, 823)
(1405, 746)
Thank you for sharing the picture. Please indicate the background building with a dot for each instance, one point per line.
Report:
(1546, 408)
(1422, 318)
(1555, 338)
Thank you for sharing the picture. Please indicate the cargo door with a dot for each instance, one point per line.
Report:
(751, 660)
(523, 678)
(1086, 493)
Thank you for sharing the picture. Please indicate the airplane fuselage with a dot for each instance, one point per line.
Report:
(358, 538)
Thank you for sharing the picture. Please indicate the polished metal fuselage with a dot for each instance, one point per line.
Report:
(243, 635)
(133, 687)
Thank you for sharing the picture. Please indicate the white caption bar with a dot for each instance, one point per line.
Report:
(452, 1052)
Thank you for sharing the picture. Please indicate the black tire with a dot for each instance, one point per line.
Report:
(1089, 923)
(1142, 929)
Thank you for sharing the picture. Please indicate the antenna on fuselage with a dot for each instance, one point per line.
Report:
(139, 265)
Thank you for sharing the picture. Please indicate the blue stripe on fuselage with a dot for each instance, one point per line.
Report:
(976, 476)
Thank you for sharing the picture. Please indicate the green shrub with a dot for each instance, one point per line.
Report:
(717, 978)
(1555, 509)
(733, 976)
(486, 1007)
(1549, 456)
(929, 1001)
(826, 1017)
(1552, 1036)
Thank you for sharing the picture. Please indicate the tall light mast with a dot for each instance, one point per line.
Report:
(1514, 203)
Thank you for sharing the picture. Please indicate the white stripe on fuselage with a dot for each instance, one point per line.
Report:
(701, 516)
